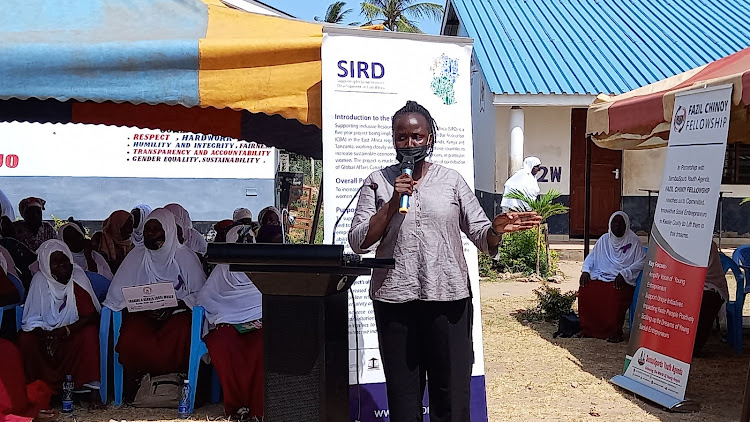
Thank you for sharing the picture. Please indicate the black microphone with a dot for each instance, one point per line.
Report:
(372, 185)
(407, 167)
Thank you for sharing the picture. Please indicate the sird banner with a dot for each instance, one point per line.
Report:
(669, 300)
(365, 80)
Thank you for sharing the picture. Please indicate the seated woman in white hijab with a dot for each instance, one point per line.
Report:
(232, 304)
(523, 181)
(140, 214)
(83, 253)
(608, 280)
(187, 235)
(60, 322)
(157, 342)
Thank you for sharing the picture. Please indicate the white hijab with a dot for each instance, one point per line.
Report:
(102, 267)
(9, 265)
(524, 182)
(8, 210)
(169, 264)
(193, 239)
(614, 255)
(137, 236)
(230, 297)
(51, 304)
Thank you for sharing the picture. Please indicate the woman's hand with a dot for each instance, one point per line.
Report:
(160, 314)
(619, 282)
(585, 278)
(404, 185)
(515, 221)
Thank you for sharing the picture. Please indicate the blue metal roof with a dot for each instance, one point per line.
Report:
(604, 46)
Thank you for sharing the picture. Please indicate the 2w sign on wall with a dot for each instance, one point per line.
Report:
(549, 174)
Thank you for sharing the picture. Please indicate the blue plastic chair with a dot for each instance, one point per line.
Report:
(734, 308)
(21, 294)
(741, 256)
(100, 284)
(197, 350)
(104, 324)
(634, 302)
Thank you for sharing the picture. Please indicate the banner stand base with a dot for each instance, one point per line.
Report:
(670, 403)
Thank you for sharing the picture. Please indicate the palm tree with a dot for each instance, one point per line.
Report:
(545, 206)
(335, 13)
(400, 15)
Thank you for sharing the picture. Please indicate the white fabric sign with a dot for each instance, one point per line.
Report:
(81, 150)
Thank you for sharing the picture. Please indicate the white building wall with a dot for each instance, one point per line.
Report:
(483, 130)
(547, 136)
(644, 169)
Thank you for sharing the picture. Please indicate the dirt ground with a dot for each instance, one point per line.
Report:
(533, 377)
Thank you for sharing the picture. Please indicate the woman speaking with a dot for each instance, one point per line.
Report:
(423, 306)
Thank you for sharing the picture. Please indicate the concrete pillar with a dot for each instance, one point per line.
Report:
(515, 154)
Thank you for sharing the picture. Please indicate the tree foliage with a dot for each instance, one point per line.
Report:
(400, 15)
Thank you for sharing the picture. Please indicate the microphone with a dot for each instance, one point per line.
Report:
(407, 167)
(372, 185)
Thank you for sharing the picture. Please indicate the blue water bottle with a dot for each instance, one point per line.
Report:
(183, 410)
(67, 397)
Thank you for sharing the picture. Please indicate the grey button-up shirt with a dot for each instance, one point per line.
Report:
(426, 242)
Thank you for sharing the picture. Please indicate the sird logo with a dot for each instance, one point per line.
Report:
(360, 70)
(10, 160)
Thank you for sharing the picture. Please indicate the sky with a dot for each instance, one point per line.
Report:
(308, 9)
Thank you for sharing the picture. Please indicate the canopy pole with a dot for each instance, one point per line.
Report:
(587, 206)
(745, 417)
(316, 215)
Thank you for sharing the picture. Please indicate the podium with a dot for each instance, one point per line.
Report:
(305, 323)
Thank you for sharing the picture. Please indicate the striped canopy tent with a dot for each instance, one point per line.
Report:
(183, 65)
(641, 118)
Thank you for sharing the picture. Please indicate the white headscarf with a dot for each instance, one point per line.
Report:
(168, 264)
(614, 255)
(524, 182)
(51, 304)
(8, 210)
(10, 265)
(102, 267)
(193, 239)
(137, 236)
(230, 297)
(264, 211)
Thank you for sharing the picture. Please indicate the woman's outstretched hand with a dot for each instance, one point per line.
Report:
(516, 221)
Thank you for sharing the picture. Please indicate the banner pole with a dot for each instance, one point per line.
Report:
(316, 215)
(587, 207)
(746, 400)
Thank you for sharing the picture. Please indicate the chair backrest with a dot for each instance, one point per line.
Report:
(728, 264)
(100, 285)
(741, 255)
(19, 286)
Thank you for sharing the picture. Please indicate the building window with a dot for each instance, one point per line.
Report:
(737, 165)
